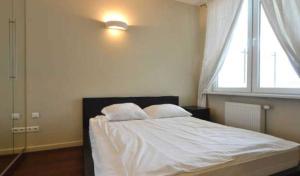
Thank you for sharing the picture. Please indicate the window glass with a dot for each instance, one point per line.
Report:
(233, 74)
(276, 70)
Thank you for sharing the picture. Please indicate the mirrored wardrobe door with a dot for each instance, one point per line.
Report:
(19, 75)
(6, 90)
(12, 81)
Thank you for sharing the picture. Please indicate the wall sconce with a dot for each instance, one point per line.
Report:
(119, 25)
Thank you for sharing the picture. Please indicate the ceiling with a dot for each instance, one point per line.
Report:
(193, 2)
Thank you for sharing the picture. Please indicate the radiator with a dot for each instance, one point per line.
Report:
(246, 116)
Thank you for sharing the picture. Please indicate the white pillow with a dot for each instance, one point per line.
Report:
(123, 112)
(165, 111)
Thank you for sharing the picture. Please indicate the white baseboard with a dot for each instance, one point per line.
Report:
(6, 151)
(37, 148)
(9, 151)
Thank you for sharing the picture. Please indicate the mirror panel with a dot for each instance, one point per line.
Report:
(12, 80)
(19, 98)
(6, 100)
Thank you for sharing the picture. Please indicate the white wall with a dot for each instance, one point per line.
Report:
(70, 56)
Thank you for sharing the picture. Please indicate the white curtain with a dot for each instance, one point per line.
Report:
(221, 17)
(284, 16)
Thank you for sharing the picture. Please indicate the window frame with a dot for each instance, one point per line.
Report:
(253, 67)
(249, 60)
(256, 59)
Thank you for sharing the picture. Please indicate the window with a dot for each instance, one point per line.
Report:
(255, 61)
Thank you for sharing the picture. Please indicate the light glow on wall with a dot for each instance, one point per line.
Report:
(115, 33)
(113, 16)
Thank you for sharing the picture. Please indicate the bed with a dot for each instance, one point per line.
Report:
(171, 146)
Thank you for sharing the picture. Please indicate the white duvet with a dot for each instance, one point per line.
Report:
(175, 145)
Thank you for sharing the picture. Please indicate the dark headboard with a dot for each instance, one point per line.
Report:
(93, 106)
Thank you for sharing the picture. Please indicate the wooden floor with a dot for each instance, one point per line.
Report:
(64, 162)
(5, 160)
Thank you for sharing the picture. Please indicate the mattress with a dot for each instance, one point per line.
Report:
(185, 146)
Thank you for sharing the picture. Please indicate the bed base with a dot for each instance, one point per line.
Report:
(290, 172)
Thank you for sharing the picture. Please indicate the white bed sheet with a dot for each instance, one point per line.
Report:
(176, 146)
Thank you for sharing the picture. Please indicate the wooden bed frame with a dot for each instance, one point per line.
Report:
(93, 106)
